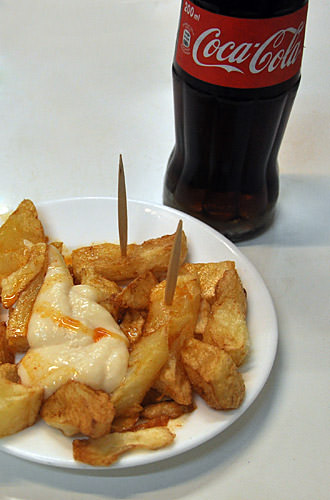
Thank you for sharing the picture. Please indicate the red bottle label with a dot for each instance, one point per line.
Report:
(240, 53)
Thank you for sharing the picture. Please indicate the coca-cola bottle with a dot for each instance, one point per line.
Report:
(236, 72)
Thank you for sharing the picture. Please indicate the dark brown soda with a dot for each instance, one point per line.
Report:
(223, 168)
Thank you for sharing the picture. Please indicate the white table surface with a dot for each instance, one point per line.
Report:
(82, 81)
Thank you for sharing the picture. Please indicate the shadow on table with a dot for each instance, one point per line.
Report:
(302, 214)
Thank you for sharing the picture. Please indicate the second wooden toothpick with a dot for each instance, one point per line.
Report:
(122, 208)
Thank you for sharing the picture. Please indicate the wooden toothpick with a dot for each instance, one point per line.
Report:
(173, 267)
(122, 208)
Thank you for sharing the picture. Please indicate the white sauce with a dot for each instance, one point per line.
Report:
(71, 336)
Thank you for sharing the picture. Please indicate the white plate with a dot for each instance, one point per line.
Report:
(80, 221)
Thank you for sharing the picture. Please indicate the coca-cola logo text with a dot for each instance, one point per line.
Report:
(210, 50)
(240, 52)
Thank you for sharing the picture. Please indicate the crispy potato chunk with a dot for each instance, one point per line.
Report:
(22, 226)
(132, 325)
(230, 287)
(106, 450)
(213, 374)
(19, 405)
(75, 408)
(169, 409)
(19, 315)
(107, 289)
(123, 424)
(180, 318)
(147, 423)
(6, 355)
(226, 326)
(9, 371)
(106, 259)
(173, 381)
(58, 245)
(209, 274)
(18, 280)
(146, 360)
(203, 316)
(137, 293)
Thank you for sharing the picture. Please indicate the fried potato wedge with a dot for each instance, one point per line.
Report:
(19, 315)
(137, 293)
(226, 326)
(147, 423)
(180, 318)
(6, 355)
(19, 405)
(230, 287)
(173, 380)
(107, 289)
(106, 259)
(203, 316)
(132, 325)
(213, 375)
(58, 245)
(169, 409)
(11, 260)
(17, 281)
(146, 359)
(9, 371)
(76, 408)
(123, 424)
(21, 228)
(209, 274)
(106, 450)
